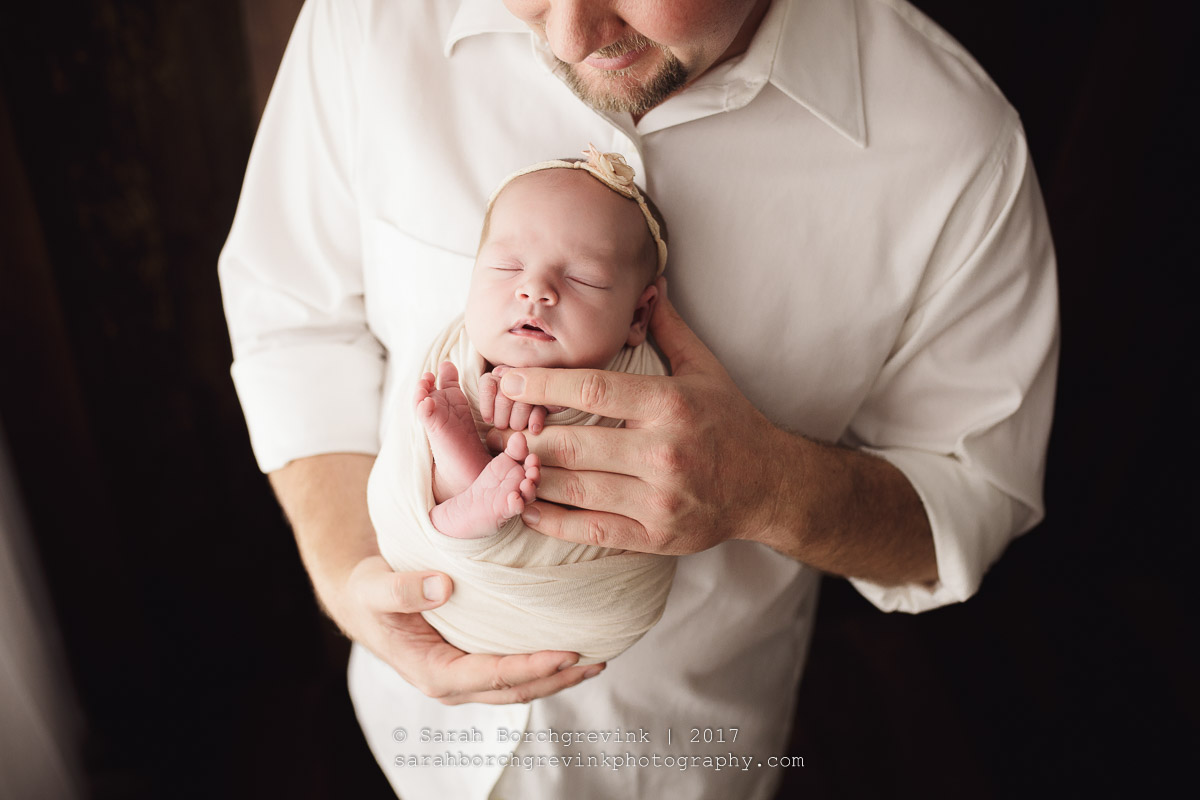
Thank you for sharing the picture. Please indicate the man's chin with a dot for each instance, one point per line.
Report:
(626, 91)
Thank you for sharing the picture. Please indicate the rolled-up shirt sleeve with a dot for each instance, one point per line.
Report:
(306, 367)
(964, 402)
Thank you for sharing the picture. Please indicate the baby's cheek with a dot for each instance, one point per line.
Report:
(474, 306)
(476, 324)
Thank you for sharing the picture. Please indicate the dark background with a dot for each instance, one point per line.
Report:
(202, 666)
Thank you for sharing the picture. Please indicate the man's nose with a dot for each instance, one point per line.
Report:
(577, 28)
(537, 290)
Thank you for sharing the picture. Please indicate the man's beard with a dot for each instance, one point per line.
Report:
(625, 93)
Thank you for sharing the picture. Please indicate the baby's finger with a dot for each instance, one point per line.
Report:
(503, 410)
(519, 419)
(488, 385)
(537, 419)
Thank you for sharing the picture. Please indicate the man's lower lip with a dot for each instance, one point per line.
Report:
(613, 64)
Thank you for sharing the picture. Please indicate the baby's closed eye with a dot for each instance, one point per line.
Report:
(589, 282)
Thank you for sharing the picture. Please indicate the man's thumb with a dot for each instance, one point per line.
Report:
(406, 592)
(678, 343)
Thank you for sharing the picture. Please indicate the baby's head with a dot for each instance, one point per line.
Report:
(565, 272)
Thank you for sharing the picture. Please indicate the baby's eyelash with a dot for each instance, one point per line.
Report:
(582, 282)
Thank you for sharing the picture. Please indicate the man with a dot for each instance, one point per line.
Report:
(856, 234)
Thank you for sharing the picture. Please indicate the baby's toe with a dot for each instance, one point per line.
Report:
(517, 448)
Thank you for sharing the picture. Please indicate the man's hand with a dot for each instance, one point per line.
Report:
(384, 615)
(695, 465)
(325, 499)
(505, 414)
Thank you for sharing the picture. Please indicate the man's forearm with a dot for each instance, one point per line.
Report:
(325, 499)
(848, 513)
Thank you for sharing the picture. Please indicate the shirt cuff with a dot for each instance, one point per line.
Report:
(305, 401)
(972, 523)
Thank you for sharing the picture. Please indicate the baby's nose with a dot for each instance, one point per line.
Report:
(537, 292)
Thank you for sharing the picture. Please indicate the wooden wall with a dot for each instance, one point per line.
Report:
(201, 662)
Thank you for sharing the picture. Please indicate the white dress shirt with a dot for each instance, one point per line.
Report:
(856, 232)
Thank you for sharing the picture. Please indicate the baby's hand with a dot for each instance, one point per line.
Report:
(498, 410)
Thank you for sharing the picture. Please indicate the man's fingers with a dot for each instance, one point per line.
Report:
(509, 671)
(584, 447)
(597, 528)
(436, 667)
(609, 394)
(458, 675)
(598, 491)
(532, 690)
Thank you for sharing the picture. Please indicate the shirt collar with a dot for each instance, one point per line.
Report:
(813, 59)
(481, 16)
(817, 63)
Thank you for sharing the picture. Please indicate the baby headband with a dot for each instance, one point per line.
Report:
(611, 170)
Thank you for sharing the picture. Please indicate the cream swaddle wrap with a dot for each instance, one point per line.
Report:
(516, 591)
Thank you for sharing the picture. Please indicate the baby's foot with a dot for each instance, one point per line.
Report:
(503, 487)
(445, 413)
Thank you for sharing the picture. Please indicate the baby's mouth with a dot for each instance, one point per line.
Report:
(532, 329)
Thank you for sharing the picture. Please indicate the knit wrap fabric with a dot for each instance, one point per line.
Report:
(516, 591)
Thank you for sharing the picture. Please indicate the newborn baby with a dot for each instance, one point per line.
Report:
(564, 277)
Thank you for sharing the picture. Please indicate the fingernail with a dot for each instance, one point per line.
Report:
(512, 384)
(592, 672)
(530, 515)
(434, 589)
(570, 662)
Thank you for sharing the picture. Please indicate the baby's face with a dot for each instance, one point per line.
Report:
(561, 280)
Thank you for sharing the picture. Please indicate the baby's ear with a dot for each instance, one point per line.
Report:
(642, 313)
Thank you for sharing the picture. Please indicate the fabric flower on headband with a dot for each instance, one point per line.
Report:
(613, 171)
